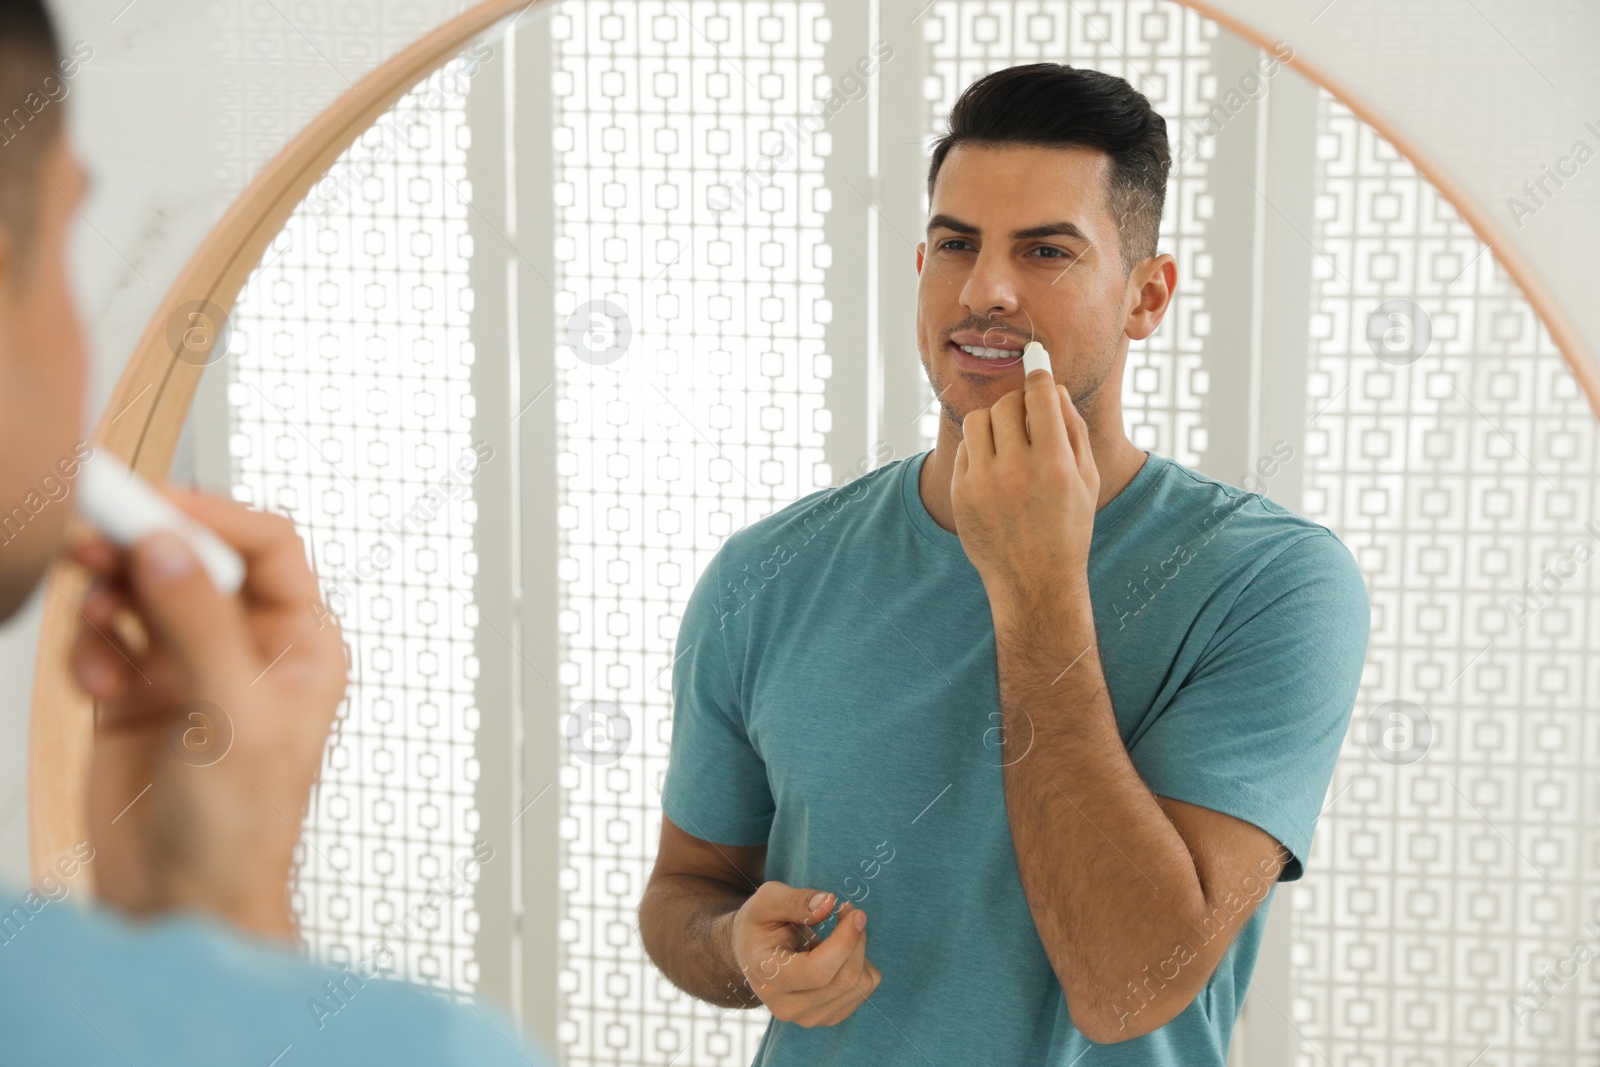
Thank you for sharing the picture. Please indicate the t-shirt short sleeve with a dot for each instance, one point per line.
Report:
(1256, 729)
(716, 784)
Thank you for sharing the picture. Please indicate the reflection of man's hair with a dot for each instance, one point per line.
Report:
(29, 51)
(1052, 105)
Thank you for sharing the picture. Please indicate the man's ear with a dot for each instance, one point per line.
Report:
(922, 248)
(1157, 280)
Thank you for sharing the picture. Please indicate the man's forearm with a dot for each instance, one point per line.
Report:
(686, 923)
(1109, 880)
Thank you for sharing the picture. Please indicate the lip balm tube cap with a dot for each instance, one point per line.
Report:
(1034, 357)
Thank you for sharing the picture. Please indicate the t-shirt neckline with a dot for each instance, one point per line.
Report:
(1114, 511)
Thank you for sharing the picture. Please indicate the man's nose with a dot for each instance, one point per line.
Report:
(990, 290)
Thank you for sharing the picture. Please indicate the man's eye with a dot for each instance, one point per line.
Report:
(1054, 253)
(950, 244)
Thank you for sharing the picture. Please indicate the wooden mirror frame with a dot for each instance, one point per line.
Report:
(148, 408)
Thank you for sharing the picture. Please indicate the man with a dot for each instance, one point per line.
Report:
(195, 960)
(1056, 712)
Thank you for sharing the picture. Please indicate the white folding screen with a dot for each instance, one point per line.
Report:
(632, 255)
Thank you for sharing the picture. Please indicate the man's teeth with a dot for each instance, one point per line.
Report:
(989, 353)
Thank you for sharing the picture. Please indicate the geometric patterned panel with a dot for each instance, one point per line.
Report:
(282, 63)
(1449, 912)
(689, 396)
(1164, 51)
(351, 405)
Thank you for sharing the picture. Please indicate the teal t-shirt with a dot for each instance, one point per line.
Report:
(835, 699)
(81, 986)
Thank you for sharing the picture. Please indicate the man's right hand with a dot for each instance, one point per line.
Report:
(209, 737)
(799, 977)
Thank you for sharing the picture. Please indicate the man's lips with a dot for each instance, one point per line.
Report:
(991, 339)
(972, 364)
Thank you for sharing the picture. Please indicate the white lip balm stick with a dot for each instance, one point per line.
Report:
(127, 508)
(1034, 357)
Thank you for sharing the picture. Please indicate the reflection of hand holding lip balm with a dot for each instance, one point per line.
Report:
(127, 508)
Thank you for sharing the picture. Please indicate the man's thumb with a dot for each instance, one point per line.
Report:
(201, 629)
(808, 906)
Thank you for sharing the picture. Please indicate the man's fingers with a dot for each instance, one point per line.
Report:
(980, 441)
(798, 905)
(1047, 423)
(779, 918)
(857, 980)
(859, 977)
(276, 571)
(1005, 418)
(97, 555)
(825, 984)
(827, 959)
(203, 631)
(101, 603)
(852, 971)
(99, 665)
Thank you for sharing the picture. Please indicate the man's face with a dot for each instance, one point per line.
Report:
(1021, 247)
(42, 371)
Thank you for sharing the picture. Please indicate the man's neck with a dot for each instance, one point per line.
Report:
(1116, 458)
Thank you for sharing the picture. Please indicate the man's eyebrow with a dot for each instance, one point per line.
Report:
(948, 222)
(1051, 229)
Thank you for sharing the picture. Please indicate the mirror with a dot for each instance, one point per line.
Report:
(614, 282)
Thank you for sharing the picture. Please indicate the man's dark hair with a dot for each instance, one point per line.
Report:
(1051, 105)
(29, 52)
